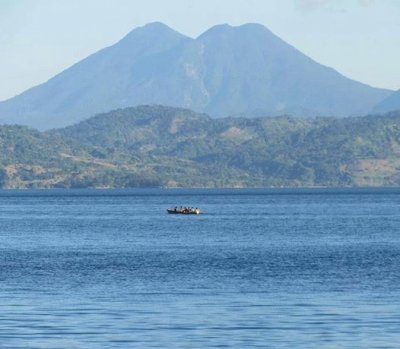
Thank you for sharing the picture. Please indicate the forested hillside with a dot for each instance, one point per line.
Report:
(163, 146)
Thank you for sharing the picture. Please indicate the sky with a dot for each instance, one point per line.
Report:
(40, 38)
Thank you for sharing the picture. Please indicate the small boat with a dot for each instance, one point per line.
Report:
(183, 210)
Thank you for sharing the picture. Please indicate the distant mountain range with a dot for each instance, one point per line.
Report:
(388, 104)
(173, 147)
(245, 70)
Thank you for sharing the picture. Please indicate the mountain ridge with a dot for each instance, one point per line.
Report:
(225, 71)
(175, 147)
(392, 102)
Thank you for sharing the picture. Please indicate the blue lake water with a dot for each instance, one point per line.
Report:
(260, 268)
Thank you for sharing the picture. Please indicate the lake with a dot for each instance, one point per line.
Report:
(267, 268)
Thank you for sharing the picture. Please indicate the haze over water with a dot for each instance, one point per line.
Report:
(260, 268)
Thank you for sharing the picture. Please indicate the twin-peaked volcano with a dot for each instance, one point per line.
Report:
(225, 71)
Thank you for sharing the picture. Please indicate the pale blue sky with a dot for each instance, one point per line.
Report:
(39, 38)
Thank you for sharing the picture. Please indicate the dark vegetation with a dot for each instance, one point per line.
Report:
(163, 146)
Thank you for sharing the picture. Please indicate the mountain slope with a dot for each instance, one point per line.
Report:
(390, 103)
(248, 68)
(105, 80)
(248, 152)
(164, 146)
(225, 71)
